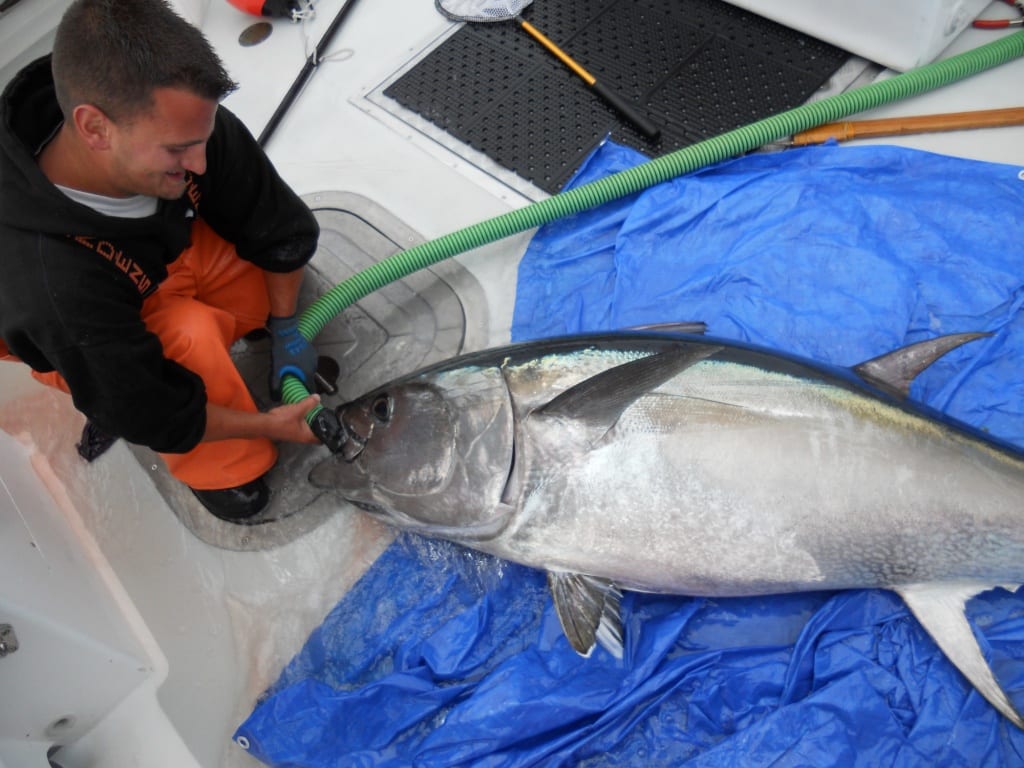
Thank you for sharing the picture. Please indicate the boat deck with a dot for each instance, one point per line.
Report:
(211, 615)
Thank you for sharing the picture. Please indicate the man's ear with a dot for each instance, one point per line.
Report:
(93, 126)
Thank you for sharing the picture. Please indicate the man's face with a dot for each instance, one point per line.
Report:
(150, 153)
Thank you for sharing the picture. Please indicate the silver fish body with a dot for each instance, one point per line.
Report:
(691, 466)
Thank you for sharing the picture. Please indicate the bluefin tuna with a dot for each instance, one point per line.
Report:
(695, 466)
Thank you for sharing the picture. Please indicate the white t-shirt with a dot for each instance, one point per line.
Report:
(134, 207)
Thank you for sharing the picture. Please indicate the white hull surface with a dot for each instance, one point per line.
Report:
(138, 642)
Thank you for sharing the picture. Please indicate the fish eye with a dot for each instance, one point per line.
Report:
(382, 408)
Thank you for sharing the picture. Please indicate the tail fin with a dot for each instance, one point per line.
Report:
(940, 609)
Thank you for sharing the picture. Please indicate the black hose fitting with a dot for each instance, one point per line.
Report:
(328, 428)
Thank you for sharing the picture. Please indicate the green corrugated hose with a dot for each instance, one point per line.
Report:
(643, 176)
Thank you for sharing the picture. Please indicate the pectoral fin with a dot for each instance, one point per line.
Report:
(600, 400)
(589, 611)
(940, 609)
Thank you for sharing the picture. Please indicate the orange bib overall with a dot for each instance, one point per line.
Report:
(210, 299)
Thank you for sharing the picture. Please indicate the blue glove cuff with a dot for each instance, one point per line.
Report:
(295, 371)
(283, 326)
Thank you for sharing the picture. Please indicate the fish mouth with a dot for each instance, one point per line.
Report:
(354, 440)
(357, 424)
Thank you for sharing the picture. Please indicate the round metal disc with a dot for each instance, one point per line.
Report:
(255, 34)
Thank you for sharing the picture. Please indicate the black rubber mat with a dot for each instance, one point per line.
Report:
(696, 67)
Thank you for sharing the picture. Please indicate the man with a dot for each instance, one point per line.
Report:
(144, 231)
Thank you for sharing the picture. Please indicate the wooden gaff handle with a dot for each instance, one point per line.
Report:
(625, 108)
(896, 126)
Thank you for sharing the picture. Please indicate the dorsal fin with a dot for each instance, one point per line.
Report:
(897, 369)
(694, 327)
(601, 399)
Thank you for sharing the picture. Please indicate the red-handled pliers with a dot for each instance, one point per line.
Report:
(1002, 23)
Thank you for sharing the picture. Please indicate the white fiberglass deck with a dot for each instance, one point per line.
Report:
(174, 638)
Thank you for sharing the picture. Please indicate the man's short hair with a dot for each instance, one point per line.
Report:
(114, 53)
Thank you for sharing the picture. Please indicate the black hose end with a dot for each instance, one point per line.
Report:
(327, 427)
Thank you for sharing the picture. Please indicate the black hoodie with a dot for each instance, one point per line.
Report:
(72, 281)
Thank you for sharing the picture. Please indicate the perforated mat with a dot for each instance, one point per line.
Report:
(696, 67)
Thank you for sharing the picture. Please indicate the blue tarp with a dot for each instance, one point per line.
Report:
(442, 657)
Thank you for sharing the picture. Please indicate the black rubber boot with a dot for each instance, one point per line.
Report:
(94, 442)
(236, 505)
